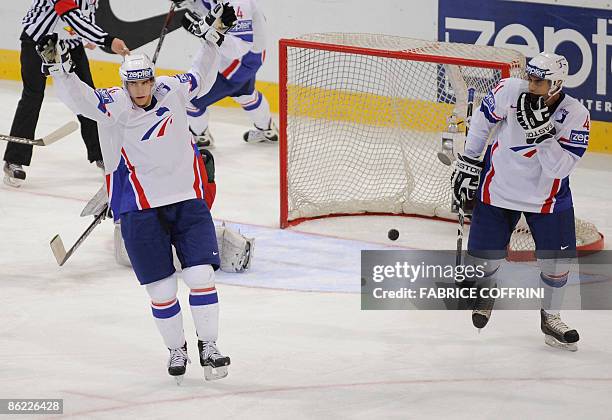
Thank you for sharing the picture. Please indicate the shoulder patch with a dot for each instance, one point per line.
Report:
(188, 78)
(105, 96)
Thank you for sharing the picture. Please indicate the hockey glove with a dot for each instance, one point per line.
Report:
(533, 115)
(203, 28)
(228, 18)
(465, 178)
(54, 55)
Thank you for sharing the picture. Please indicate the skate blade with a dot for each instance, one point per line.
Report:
(213, 374)
(13, 182)
(553, 342)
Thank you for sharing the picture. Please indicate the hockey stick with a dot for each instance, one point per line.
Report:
(52, 137)
(463, 198)
(164, 31)
(57, 245)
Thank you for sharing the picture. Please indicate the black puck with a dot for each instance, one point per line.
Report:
(393, 234)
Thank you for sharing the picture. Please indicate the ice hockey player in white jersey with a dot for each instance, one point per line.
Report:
(541, 133)
(240, 62)
(156, 183)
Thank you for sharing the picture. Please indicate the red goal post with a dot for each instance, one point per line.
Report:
(361, 120)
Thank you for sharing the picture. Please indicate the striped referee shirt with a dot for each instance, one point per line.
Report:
(73, 20)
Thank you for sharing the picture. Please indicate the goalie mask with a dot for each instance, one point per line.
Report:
(549, 66)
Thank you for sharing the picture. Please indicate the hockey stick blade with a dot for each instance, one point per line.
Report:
(57, 245)
(50, 138)
(59, 251)
(60, 133)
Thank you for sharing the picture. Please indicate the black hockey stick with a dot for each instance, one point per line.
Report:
(463, 198)
(164, 31)
(52, 137)
(57, 245)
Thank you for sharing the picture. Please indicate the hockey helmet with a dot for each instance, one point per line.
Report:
(549, 66)
(136, 67)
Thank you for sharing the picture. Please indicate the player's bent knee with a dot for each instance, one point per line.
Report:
(199, 277)
(163, 291)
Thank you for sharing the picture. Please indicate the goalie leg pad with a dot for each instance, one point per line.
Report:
(236, 250)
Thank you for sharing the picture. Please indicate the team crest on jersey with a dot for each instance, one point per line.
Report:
(579, 137)
(159, 128)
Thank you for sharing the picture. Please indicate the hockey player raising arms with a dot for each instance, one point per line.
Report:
(156, 183)
(541, 135)
(240, 61)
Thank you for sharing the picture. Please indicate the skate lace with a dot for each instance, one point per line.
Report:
(209, 350)
(555, 323)
(14, 167)
(178, 357)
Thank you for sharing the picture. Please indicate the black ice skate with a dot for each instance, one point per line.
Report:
(177, 363)
(204, 140)
(14, 175)
(556, 333)
(483, 307)
(260, 135)
(214, 364)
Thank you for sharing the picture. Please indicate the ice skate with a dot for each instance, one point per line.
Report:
(262, 136)
(204, 140)
(214, 363)
(14, 175)
(177, 363)
(483, 307)
(556, 333)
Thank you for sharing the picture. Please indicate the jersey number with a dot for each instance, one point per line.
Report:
(587, 124)
(239, 13)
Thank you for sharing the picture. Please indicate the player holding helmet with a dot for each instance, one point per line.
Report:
(541, 134)
(156, 182)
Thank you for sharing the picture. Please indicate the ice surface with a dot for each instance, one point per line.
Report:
(300, 345)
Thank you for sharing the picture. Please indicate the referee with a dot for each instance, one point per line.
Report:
(74, 22)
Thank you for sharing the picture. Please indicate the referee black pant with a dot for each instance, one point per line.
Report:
(28, 109)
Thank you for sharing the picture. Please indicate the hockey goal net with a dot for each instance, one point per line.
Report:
(361, 122)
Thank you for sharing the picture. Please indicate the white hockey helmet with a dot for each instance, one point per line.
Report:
(549, 66)
(136, 67)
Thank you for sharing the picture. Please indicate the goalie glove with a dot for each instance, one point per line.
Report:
(54, 55)
(533, 115)
(203, 27)
(465, 178)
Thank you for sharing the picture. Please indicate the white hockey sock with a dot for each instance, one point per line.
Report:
(554, 292)
(199, 124)
(257, 107)
(205, 310)
(169, 321)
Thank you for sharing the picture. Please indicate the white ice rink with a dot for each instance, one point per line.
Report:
(300, 345)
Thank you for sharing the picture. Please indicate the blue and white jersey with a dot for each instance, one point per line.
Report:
(149, 153)
(519, 176)
(242, 56)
